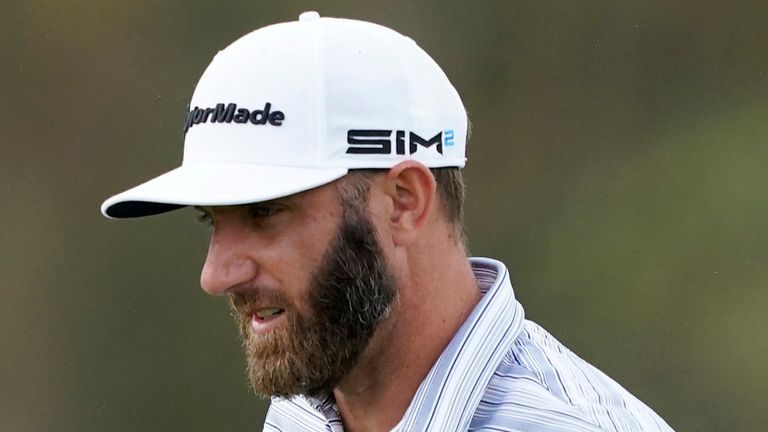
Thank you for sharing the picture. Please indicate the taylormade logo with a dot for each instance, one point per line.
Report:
(231, 113)
(379, 141)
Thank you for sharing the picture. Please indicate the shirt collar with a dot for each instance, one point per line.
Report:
(447, 398)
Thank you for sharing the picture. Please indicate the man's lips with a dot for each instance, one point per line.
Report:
(266, 313)
(265, 319)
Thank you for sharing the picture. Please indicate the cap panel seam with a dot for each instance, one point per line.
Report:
(321, 130)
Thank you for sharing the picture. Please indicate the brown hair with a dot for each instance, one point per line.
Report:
(450, 192)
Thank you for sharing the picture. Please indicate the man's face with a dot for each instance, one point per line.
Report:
(303, 341)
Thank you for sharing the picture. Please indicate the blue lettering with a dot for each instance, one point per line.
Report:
(448, 137)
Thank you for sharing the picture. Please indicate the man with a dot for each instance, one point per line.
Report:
(326, 155)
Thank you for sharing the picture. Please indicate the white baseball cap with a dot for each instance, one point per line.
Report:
(293, 106)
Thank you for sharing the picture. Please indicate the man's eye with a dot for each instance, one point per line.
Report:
(261, 212)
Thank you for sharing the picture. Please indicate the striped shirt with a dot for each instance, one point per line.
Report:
(500, 372)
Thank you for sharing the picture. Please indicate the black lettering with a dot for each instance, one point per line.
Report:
(416, 140)
(197, 116)
(363, 141)
(276, 118)
(227, 113)
(222, 114)
(400, 142)
(208, 112)
(261, 116)
(188, 122)
(242, 115)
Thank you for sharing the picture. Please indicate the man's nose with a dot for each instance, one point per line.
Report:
(228, 264)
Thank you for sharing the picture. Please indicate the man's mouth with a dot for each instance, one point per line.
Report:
(264, 319)
(267, 313)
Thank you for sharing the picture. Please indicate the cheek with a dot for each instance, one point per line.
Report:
(303, 254)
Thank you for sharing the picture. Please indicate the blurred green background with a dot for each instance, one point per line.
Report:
(617, 165)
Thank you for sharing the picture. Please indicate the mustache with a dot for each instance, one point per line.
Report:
(246, 303)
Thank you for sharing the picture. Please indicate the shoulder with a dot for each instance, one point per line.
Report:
(518, 399)
(542, 384)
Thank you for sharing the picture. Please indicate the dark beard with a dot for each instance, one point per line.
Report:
(352, 291)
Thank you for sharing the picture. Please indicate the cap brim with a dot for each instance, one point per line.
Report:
(215, 184)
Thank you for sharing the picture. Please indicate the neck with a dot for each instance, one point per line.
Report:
(431, 307)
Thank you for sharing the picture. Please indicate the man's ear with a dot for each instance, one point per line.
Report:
(411, 187)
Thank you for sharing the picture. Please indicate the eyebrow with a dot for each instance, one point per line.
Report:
(207, 209)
